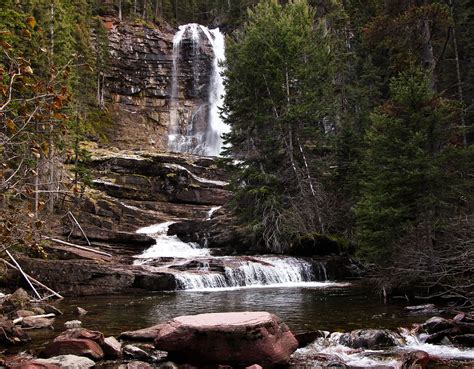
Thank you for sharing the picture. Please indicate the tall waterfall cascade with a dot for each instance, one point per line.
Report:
(189, 136)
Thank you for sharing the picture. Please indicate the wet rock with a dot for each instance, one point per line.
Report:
(17, 300)
(50, 309)
(82, 333)
(437, 324)
(242, 339)
(369, 339)
(36, 364)
(135, 365)
(415, 359)
(425, 309)
(37, 322)
(465, 340)
(24, 313)
(137, 353)
(68, 361)
(11, 334)
(80, 311)
(168, 365)
(112, 348)
(306, 338)
(79, 277)
(145, 334)
(38, 311)
(465, 327)
(79, 347)
(70, 324)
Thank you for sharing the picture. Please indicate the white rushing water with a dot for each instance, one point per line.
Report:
(208, 272)
(365, 358)
(188, 139)
(167, 246)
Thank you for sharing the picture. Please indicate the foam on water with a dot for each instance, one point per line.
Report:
(167, 246)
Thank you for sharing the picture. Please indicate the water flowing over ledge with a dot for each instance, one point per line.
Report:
(194, 268)
(190, 138)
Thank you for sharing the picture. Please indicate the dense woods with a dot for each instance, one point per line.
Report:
(352, 118)
(351, 121)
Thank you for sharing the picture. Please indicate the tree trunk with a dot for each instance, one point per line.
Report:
(427, 55)
(458, 72)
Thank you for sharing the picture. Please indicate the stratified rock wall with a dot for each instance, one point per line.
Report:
(137, 85)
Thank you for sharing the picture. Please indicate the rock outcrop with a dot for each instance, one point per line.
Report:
(137, 87)
(240, 339)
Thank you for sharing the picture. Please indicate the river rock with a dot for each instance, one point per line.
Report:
(425, 309)
(112, 348)
(68, 361)
(70, 324)
(50, 309)
(80, 311)
(437, 324)
(24, 313)
(137, 353)
(306, 338)
(79, 347)
(37, 322)
(464, 339)
(17, 300)
(145, 334)
(35, 365)
(135, 365)
(369, 339)
(415, 359)
(82, 333)
(243, 338)
(11, 334)
(38, 311)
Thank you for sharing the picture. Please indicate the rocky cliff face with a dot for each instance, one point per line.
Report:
(137, 88)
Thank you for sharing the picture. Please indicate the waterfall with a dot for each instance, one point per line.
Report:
(191, 138)
(261, 272)
(194, 268)
(167, 246)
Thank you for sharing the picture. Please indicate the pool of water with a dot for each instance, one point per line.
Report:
(302, 308)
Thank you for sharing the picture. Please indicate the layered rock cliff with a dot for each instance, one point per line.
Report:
(137, 88)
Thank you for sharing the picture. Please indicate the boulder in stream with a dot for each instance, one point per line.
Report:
(37, 322)
(369, 339)
(73, 346)
(240, 338)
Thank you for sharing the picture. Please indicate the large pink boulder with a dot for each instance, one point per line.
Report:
(241, 339)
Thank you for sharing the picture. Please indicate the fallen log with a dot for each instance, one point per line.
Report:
(78, 246)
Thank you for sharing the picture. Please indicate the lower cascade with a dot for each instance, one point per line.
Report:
(258, 273)
(194, 268)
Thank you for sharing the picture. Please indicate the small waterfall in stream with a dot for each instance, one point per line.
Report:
(167, 246)
(255, 273)
(189, 138)
(194, 268)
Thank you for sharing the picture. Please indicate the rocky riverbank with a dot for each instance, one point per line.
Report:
(228, 340)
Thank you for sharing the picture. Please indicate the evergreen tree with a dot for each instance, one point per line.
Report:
(279, 77)
(403, 179)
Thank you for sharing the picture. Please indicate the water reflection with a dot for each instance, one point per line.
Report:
(304, 309)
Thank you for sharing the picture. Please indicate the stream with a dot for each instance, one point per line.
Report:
(303, 309)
